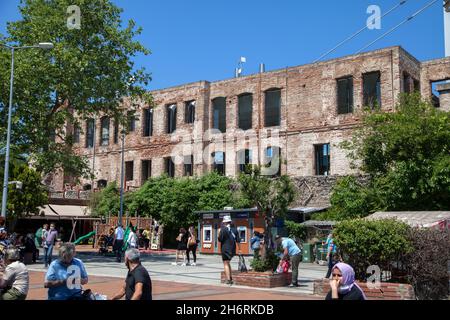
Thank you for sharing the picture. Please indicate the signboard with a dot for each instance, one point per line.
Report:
(207, 246)
(223, 214)
(242, 215)
(208, 216)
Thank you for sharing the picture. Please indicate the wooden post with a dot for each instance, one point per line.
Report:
(73, 229)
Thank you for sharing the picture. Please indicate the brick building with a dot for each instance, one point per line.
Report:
(302, 112)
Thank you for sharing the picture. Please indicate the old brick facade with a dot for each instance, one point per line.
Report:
(308, 117)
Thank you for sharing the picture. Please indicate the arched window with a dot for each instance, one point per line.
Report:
(90, 133)
(102, 183)
(148, 122)
(104, 133)
(171, 118)
(219, 114)
(272, 108)
(245, 110)
(87, 187)
(189, 114)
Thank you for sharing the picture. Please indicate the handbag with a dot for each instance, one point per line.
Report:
(241, 265)
(285, 265)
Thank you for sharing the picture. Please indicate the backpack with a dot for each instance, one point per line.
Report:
(256, 243)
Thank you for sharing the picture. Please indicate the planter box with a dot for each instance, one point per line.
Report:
(387, 290)
(259, 279)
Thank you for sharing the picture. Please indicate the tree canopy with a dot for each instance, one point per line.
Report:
(89, 71)
(407, 156)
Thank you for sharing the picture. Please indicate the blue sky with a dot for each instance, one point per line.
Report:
(203, 40)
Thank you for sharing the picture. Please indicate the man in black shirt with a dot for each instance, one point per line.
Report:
(138, 285)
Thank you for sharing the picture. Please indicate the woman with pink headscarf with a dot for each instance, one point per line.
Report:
(343, 285)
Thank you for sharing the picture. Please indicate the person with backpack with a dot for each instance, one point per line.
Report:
(255, 243)
(228, 238)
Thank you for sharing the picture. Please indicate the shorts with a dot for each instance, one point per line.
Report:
(226, 256)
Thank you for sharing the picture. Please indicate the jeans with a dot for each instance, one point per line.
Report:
(295, 261)
(48, 255)
(331, 264)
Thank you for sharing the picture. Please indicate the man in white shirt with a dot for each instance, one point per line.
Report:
(118, 242)
(14, 281)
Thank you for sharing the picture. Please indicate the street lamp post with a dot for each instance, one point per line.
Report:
(121, 179)
(44, 46)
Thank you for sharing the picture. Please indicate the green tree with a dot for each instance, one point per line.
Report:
(89, 71)
(32, 195)
(407, 157)
(272, 197)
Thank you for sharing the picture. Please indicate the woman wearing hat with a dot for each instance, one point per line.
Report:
(228, 237)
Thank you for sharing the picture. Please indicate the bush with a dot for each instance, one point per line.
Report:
(427, 264)
(363, 243)
(270, 263)
(295, 230)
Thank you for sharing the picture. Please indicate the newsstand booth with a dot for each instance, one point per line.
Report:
(246, 222)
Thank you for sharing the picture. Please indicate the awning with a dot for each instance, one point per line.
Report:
(422, 219)
(318, 223)
(309, 209)
(55, 211)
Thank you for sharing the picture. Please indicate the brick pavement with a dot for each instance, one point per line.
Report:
(169, 290)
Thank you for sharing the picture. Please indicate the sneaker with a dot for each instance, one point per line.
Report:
(230, 282)
(193, 264)
(183, 264)
(174, 263)
(293, 285)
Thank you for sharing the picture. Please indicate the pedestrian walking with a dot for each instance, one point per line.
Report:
(182, 240)
(14, 281)
(343, 285)
(331, 254)
(132, 240)
(228, 238)
(146, 235)
(290, 252)
(50, 239)
(119, 234)
(192, 245)
(138, 285)
(66, 275)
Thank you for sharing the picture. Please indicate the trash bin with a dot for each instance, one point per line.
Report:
(307, 252)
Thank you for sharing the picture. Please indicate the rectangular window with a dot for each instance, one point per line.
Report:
(116, 131)
(170, 167)
(219, 114)
(189, 112)
(171, 118)
(148, 122)
(372, 89)
(272, 160)
(131, 121)
(129, 170)
(219, 162)
(90, 133)
(244, 159)
(188, 165)
(104, 131)
(76, 134)
(322, 155)
(272, 108)
(207, 233)
(146, 170)
(345, 95)
(245, 105)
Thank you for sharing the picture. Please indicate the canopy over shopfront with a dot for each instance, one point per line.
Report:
(422, 219)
